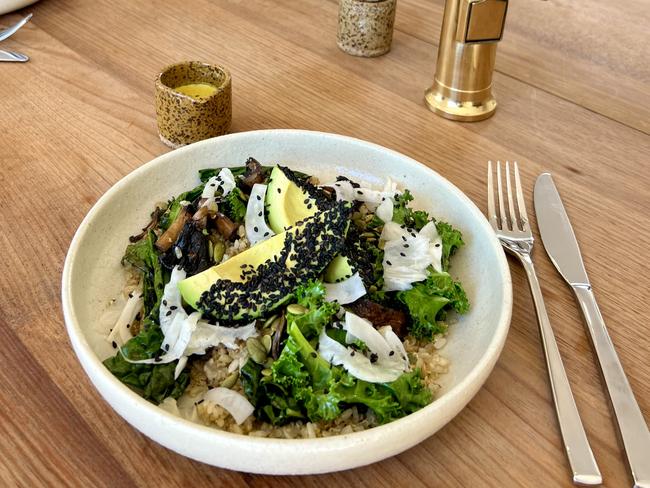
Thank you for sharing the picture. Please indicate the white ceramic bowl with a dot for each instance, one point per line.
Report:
(92, 276)
(7, 6)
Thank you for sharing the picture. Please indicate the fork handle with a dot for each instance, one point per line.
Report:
(581, 458)
(634, 431)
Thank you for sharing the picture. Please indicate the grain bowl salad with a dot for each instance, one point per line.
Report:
(268, 303)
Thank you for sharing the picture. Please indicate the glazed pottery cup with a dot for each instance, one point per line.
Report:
(366, 26)
(183, 119)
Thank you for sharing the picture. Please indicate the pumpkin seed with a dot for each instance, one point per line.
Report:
(230, 380)
(296, 309)
(266, 341)
(256, 350)
(368, 235)
(218, 251)
(278, 324)
(268, 322)
(372, 289)
(266, 372)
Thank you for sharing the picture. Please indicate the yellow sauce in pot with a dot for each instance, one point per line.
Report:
(199, 91)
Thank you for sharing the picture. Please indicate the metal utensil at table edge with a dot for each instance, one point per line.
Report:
(562, 247)
(516, 237)
(12, 56)
(10, 31)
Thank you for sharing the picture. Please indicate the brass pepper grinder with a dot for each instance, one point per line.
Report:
(462, 86)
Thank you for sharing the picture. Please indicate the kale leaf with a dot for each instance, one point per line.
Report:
(452, 240)
(303, 385)
(428, 301)
(319, 312)
(234, 205)
(404, 215)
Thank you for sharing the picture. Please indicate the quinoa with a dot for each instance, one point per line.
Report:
(221, 362)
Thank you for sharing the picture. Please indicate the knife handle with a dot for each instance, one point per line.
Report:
(632, 426)
(581, 458)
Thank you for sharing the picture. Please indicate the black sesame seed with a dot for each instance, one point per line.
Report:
(404, 238)
(406, 245)
(279, 190)
(255, 229)
(265, 235)
(200, 401)
(167, 347)
(114, 345)
(402, 254)
(389, 263)
(313, 354)
(392, 353)
(373, 358)
(131, 295)
(128, 326)
(259, 197)
(213, 184)
(260, 214)
(157, 359)
(437, 244)
(173, 307)
(352, 353)
(359, 192)
(169, 312)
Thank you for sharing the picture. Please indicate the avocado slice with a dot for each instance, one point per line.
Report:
(338, 270)
(263, 277)
(286, 202)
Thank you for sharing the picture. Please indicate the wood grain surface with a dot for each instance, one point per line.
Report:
(572, 83)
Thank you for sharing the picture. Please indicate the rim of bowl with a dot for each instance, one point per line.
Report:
(479, 372)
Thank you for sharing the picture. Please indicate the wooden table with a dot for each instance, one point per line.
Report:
(573, 84)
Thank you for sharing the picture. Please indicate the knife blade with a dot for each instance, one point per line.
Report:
(12, 56)
(562, 247)
(557, 234)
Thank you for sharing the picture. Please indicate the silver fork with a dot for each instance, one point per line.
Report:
(514, 233)
(10, 31)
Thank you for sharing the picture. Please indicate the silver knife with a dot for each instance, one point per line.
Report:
(13, 56)
(562, 247)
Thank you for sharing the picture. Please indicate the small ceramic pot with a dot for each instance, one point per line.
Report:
(183, 119)
(366, 26)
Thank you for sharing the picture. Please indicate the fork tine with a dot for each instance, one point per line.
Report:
(511, 204)
(521, 203)
(502, 210)
(492, 211)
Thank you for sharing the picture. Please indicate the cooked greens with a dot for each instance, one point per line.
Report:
(303, 385)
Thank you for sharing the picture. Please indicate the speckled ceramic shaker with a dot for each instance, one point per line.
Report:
(183, 119)
(366, 26)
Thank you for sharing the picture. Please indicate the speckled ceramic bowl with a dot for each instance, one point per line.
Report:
(92, 275)
(366, 26)
(182, 119)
